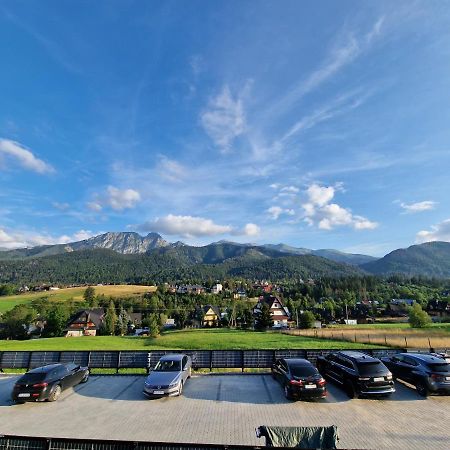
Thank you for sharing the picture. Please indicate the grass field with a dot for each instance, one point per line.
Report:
(8, 302)
(394, 335)
(217, 339)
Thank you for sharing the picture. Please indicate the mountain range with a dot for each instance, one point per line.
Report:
(130, 257)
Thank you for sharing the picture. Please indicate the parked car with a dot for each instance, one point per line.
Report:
(358, 373)
(169, 376)
(47, 382)
(428, 373)
(299, 378)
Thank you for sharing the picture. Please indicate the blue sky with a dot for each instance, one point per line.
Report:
(317, 124)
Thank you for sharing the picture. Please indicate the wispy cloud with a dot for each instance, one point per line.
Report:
(224, 119)
(24, 157)
(439, 232)
(418, 207)
(350, 46)
(10, 239)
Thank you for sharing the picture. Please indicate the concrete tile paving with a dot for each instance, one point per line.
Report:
(226, 409)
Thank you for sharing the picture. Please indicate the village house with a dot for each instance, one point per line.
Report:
(280, 314)
(207, 316)
(216, 288)
(85, 322)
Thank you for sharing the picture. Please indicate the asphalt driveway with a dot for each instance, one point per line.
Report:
(225, 409)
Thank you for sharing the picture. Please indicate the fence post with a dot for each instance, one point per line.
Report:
(429, 344)
(355, 337)
(385, 340)
(368, 337)
(29, 360)
(243, 360)
(210, 360)
(89, 359)
(406, 342)
(118, 362)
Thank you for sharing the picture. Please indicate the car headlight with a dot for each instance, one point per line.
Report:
(389, 377)
(174, 383)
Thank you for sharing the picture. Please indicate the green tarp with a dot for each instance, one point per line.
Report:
(300, 437)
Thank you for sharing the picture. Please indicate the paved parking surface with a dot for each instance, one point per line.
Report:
(226, 409)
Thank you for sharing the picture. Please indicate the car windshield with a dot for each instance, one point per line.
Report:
(168, 366)
(303, 371)
(32, 377)
(372, 368)
(440, 367)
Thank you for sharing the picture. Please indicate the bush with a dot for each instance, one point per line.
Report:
(307, 319)
(418, 318)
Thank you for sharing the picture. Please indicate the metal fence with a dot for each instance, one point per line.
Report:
(202, 359)
(8, 442)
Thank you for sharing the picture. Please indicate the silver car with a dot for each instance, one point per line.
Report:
(168, 376)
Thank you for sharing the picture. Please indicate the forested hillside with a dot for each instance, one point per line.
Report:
(107, 266)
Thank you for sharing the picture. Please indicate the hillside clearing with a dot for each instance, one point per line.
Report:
(121, 290)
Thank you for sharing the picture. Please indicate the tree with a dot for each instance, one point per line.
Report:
(6, 289)
(307, 319)
(122, 323)
(263, 318)
(110, 320)
(418, 318)
(16, 322)
(56, 321)
(89, 296)
(153, 325)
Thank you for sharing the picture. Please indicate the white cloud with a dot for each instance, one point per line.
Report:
(186, 226)
(251, 229)
(22, 239)
(224, 120)
(290, 189)
(171, 169)
(418, 207)
(117, 199)
(121, 199)
(276, 211)
(24, 157)
(439, 232)
(61, 206)
(319, 211)
(189, 227)
(94, 206)
(320, 195)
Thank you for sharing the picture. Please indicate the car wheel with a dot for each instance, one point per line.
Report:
(287, 392)
(189, 372)
(422, 389)
(85, 378)
(180, 389)
(55, 393)
(350, 389)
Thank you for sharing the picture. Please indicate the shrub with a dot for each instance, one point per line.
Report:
(418, 318)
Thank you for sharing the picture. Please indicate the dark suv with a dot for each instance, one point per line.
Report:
(358, 373)
(430, 374)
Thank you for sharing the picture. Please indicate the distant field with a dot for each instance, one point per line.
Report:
(8, 302)
(394, 335)
(219, 339)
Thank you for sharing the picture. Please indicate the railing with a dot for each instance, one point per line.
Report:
(8, 442)
(201, 359)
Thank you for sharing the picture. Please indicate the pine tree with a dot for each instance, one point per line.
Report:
(110, 319)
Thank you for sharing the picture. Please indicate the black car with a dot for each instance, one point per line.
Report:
(47, 382)
(428, 373)
(299, 378)
(358, 373)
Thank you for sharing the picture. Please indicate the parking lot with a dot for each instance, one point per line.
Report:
(226, 409)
